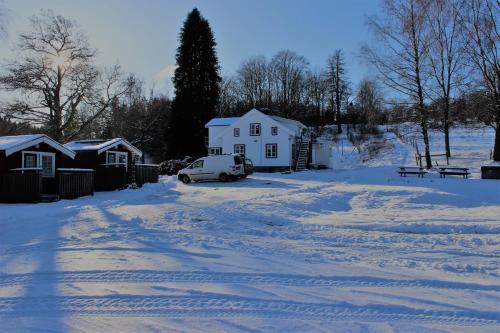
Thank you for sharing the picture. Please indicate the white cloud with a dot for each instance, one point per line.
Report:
(165, 73)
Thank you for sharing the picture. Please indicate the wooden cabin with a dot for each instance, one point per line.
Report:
(34, 167)
(114, 162)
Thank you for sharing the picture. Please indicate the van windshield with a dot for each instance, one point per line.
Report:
(238, 160)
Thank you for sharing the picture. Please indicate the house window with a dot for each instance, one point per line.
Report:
(255, 129)
(236, 132)
(30, 161)
(111, 158)
(215, 151)
(42, 160)
(116, 158)
(239, 149)
(272, 150)
(274, 130)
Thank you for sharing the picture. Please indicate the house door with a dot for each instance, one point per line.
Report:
(47, 163)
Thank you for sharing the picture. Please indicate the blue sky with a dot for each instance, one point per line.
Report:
(142, 36)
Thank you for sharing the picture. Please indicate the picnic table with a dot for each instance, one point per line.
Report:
(453, 171)
(411, 170)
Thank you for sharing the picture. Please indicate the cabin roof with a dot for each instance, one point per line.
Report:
(14, 143)
(101, 145)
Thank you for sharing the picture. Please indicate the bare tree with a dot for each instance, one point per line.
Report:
(369, 102)
(446, 58)
(288, 70)
(481, 32)
(55, 82)
(228, 96)
(316, 91)
(338, 85)
(403, 54)
(253, 77)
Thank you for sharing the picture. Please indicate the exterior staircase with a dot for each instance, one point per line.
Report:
(303, 155)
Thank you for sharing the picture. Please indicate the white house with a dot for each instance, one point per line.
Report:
(271, 142)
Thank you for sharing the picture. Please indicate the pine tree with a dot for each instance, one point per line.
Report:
(196, 83)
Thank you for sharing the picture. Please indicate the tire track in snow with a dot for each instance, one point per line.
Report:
(232, 307)
(151, 276)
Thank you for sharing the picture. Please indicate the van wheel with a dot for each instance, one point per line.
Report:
(185, 179)
(223, 177)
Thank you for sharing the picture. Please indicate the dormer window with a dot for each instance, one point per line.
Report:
(254, 129)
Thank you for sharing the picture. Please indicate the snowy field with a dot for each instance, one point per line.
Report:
(352, 250)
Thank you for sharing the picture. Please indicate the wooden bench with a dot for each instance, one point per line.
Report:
(419, 171)
(453, 171)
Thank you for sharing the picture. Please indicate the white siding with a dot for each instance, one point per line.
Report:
(214, 138)
(255, 146)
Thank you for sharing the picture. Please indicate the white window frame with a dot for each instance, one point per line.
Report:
(236, 132)
(270, 151)
(39, 155)
(215, 151)
(239, 145)
(117, 159)
(255, 129)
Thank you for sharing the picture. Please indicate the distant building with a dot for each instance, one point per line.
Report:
(271, 142)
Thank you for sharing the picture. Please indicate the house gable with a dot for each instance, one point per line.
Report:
(260, 118)
(13, 144)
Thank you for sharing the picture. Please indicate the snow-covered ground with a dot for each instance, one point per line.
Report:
(353, 250)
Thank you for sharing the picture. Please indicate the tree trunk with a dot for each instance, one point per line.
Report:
(496, 148)
(446, 127)
(425, 134)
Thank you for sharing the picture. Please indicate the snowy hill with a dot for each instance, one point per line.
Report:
(356, 249)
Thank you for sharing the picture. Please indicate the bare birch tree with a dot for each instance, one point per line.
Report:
(479, 21)
(446, 59)
(402, 54)
(54, 81)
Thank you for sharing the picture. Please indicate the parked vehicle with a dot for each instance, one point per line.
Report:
(215, 167)
(248, 166)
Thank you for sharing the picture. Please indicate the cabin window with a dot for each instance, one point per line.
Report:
(236, 132)
(30, 161)
(239, 149)
(111, 158)
(215, 151)
(255, 129)
(272, 150)
(116, 158)
(274, 130)
(41, 160)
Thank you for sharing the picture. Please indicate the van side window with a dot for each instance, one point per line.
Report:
(197, 164)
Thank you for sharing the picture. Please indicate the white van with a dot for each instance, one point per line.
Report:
(214, 167)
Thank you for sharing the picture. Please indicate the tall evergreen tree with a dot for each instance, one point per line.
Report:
(196, 84)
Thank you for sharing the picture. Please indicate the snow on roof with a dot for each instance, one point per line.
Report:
(222, 121)
(101, 145)
(291, 124)
(15, 143)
